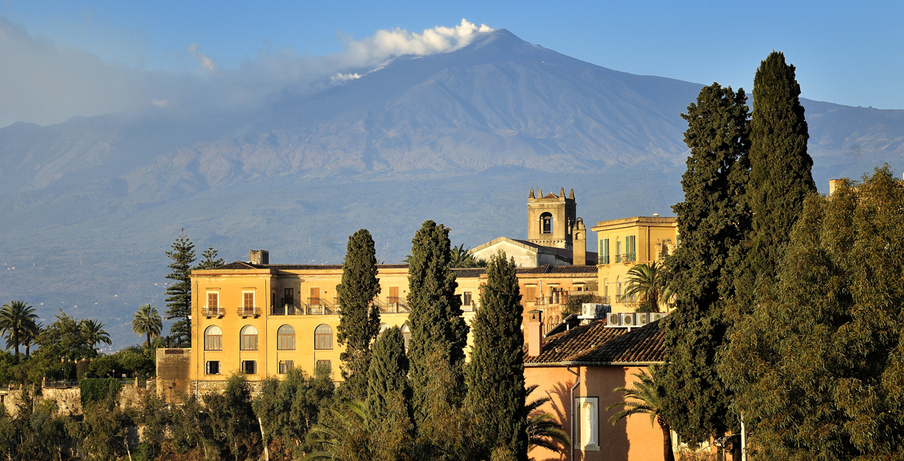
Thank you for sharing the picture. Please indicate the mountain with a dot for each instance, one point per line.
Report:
(91, 204)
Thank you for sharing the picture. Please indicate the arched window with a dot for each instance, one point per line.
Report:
(323, 337)
(248, 339)
(383, 327)
(406, 335)
(546, 223)
(213, 338)
(618, 290)
(285, 338)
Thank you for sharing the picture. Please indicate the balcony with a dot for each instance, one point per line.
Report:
(626, 258)
(248, 311)
(392, 305)
(209, 312)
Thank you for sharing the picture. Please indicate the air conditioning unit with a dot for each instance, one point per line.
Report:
(613, 319)
(654, 316)
(628, 319)
(643, 318)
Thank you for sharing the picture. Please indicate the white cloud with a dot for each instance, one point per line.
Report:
(44, 82)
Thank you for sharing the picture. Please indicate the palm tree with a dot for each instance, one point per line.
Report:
(17, 322)
(644, 398)
(27, 338)
(94, 332)
(647, 281)
(462, 257)
(147, 322)
(542, 428)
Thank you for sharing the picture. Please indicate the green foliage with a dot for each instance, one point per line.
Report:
(98, 389)
(60, 345)
(94, 332)
(359, 320)
(104, 432)
(387, 379)
(437, 325)
(288, 409)
(780, 177)
(147, 322)
(495, 375)
(831, 338)
(462, 257)
(342, 434)
(575, 303)
(132, 362)
(18, 322)
(178, 293)
(647, 280)
(232, 421)
(711, 222)
(210, 259)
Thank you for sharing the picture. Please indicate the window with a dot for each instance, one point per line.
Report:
(212, 367)
(383, 327)
(289, 296)
(213, 339)
(325, 366)
(213, 303)
(406, 335)
(248, 339)
(618, 297)
(315, 297)
(529, 293)
(587, 423)
(323, 337)
(630, 248)
(546, 223)
(248, 303)
(285, 366)
(618, 255)
(393, 295)
(604, 251)
(249, 367)
(466, 298)
(285, 338)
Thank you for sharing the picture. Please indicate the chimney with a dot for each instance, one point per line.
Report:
(260, 257)
(534, 333)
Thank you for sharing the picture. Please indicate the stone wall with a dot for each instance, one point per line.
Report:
(173, 367)
(68, 401)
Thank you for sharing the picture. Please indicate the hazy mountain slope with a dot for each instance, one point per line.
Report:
(89, 206)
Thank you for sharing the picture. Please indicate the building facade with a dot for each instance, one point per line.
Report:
(625, 243)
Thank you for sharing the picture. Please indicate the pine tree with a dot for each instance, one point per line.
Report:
(437, 325)
(780, 177)
(359, 319)
(496, 371)
(711, 222)
(178, 301)
(210, 259)
(831, 338)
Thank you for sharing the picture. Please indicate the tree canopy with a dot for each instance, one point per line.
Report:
(178, 293)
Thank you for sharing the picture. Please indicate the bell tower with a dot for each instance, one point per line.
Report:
(551, 219)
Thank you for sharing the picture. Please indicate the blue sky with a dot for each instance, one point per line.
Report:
(60, 59)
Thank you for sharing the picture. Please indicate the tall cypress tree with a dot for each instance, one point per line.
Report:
(711, 222)
(359, 320)
(437, 325)
(496, 371)
(178, 299)
(780, 177)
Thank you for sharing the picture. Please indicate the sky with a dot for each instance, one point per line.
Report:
(65, 58)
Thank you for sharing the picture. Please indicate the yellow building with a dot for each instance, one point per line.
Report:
(262, 319)
(624, 243)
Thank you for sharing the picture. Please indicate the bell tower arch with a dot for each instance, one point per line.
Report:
(551, 219)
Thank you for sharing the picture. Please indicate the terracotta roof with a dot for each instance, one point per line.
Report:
(594, 344)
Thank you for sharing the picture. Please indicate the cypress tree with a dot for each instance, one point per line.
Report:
(711, 222)
(780, 177)
(388, 395)
(496, 372)
(359, 320)
(437, 326)
(178, 299)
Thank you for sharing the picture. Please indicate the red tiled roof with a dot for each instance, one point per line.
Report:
(594, 344)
